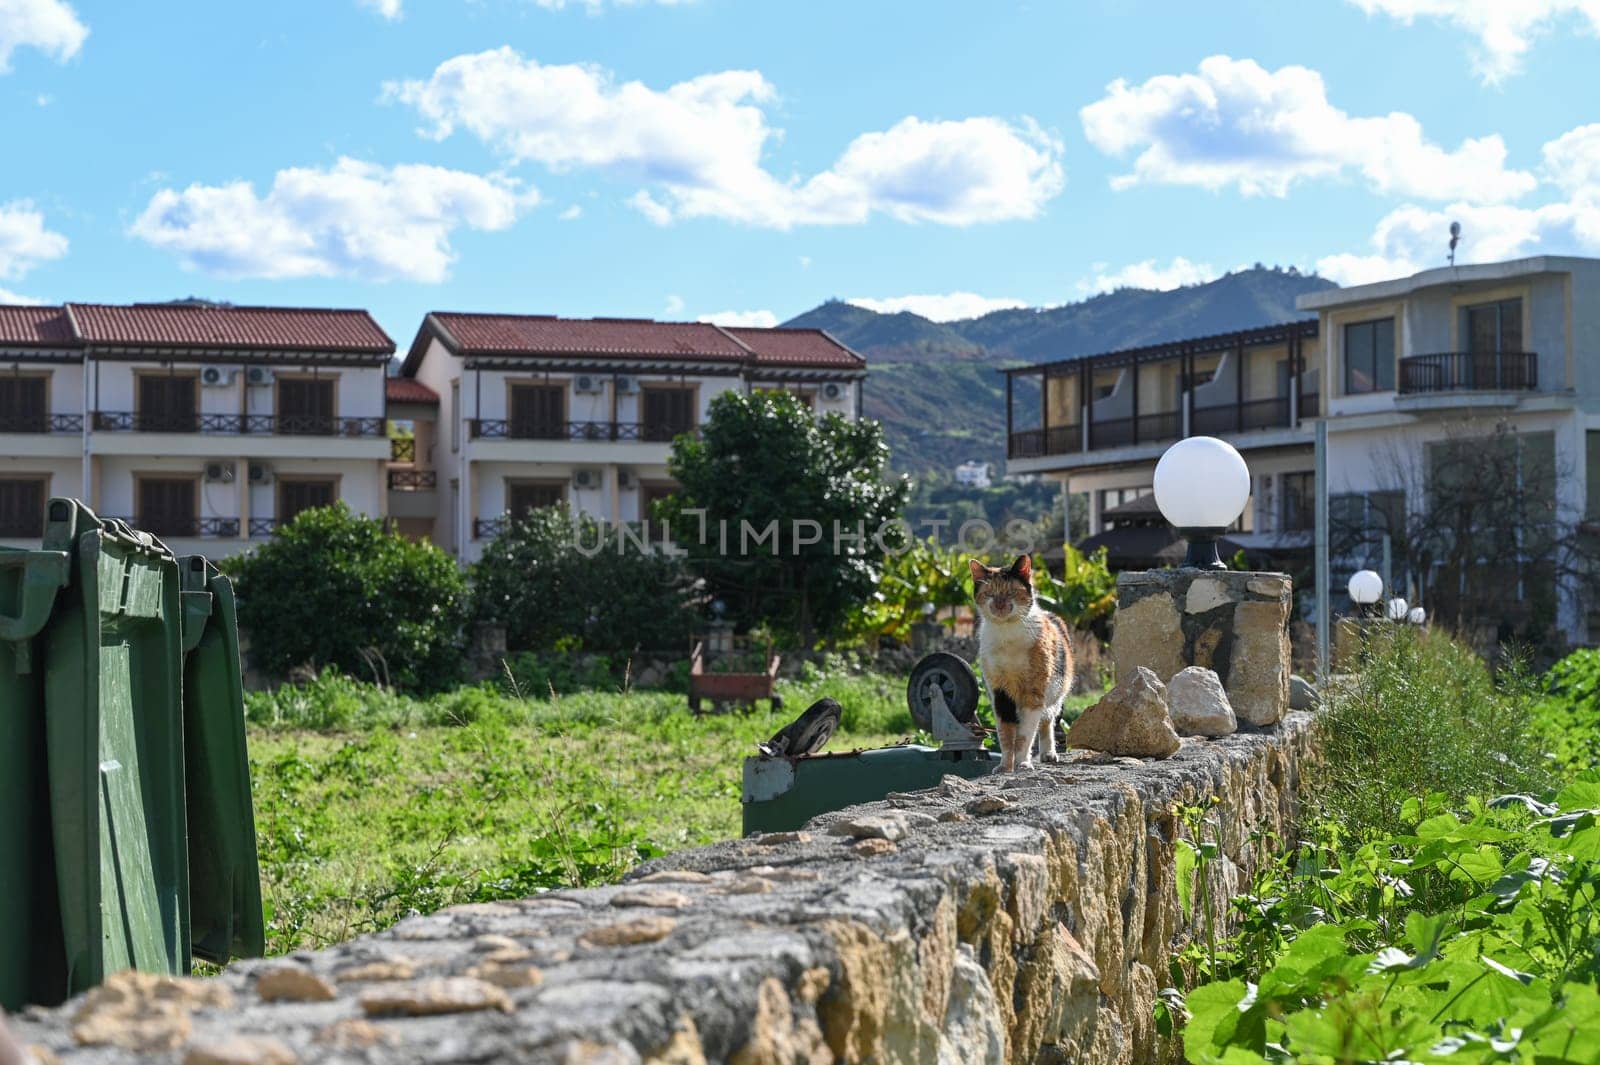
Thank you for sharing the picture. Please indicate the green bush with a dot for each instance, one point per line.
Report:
(335, 588)
(1569, 714)
(1422, 715)
(551, 595)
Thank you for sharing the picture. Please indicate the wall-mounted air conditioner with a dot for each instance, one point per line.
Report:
(218, 376)
(260, 473)
(584, 480)
(832, 390)
(258, 375)
(627, 386)
(219, 473)
(590, 383)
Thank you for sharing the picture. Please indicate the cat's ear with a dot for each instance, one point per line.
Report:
(980, 572)
(1022, 568)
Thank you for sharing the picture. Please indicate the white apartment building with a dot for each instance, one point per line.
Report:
(1416, 359)
(205, 424)
(533, 410)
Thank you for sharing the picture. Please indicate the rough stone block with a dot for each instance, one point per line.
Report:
(1198, 704)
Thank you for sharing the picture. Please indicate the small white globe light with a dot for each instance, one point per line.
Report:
(1201, 485)
(1397, 609)
(1366, 587)
(1417, 616)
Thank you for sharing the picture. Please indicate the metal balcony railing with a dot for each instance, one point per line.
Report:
(413, 480)
(532, 429)
(402, 449)
(113, 421)
(1470, 371)
(186, 525)
(41, 423)
(488, 528)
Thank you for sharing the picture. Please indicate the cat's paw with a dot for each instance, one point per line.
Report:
(1052, 759)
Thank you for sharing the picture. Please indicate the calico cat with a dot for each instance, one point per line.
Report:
(1026, 659)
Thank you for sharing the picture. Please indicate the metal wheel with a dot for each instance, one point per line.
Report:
(953, 678)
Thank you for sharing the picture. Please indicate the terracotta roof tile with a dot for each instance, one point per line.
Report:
(35, 327)
(534, 335)
(169, 325)
(798, 347)
(408, 390)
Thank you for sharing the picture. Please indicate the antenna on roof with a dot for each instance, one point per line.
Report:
(1455, 238)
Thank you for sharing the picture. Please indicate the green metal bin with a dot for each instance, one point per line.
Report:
(114, 743)
(224, 878)
(32, 956)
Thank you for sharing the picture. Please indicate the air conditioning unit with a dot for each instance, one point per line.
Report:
(260, 473)
(583, 480)
(219, 473)
(218, 376)
(590, 383)
(627, 386)
(832, 390)
(625, 479)
(258, 375)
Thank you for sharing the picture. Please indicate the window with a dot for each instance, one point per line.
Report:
(538, 412)
(168, 403)
(23, 403)
(22, 506)
(525, 496)
(1357, 522)
(1591, 504)
(668, 412)
(305, 405)
(167, 506)
(298, 494)
(1297, 505)
(1494, 327)
(1369, 357)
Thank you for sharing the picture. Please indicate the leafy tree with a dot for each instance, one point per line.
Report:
(792, 492)
(559, 583)
(335, 588)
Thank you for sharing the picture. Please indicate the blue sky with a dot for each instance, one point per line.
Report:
(690, 158)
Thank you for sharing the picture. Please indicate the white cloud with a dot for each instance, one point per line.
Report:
(389, 9)
(1235, 123)
(674, 305)
(353, 219)
(1149, 275)
(946, 307)
(748, 319)
(571, 214)
(1504, 29)
(696, 147)
(16, 298)
(50, 26)
(24, 240)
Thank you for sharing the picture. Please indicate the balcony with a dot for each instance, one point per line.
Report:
(402, 449)
(489, 528)
(1466, 371)
(184, 526)
(413, 480)
(502, 429)
(237, 424)
(41, 423)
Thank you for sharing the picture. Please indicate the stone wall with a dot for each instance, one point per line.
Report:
(1025, 918)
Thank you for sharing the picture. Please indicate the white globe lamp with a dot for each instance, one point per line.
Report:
(1201, 485)
(1398, 609)
(1365, 588)
(1418, 616)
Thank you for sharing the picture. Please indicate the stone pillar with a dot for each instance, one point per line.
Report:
(1234, 623)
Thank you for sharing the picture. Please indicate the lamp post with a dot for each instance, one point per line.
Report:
(1398, 609)
(1417, 616)
(1365, 589)
(1201, 485)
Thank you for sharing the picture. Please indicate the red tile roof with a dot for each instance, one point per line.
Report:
(797, 347)
(170, 325)
(408, 390)
(35, 327)
(520, 334)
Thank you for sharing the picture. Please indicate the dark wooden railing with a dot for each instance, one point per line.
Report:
(1469, 371)
(41, 423)
(121, 421)
(402, 449)
(413, 480)
(186, 525)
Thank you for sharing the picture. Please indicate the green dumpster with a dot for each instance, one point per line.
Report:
(114, 739)
(224, 879)
(32, 957)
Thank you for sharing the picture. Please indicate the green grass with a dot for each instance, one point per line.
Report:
(371, 806)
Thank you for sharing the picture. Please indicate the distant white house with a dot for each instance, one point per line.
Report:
(973, 474)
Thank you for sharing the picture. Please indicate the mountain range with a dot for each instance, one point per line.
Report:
(936, 388)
